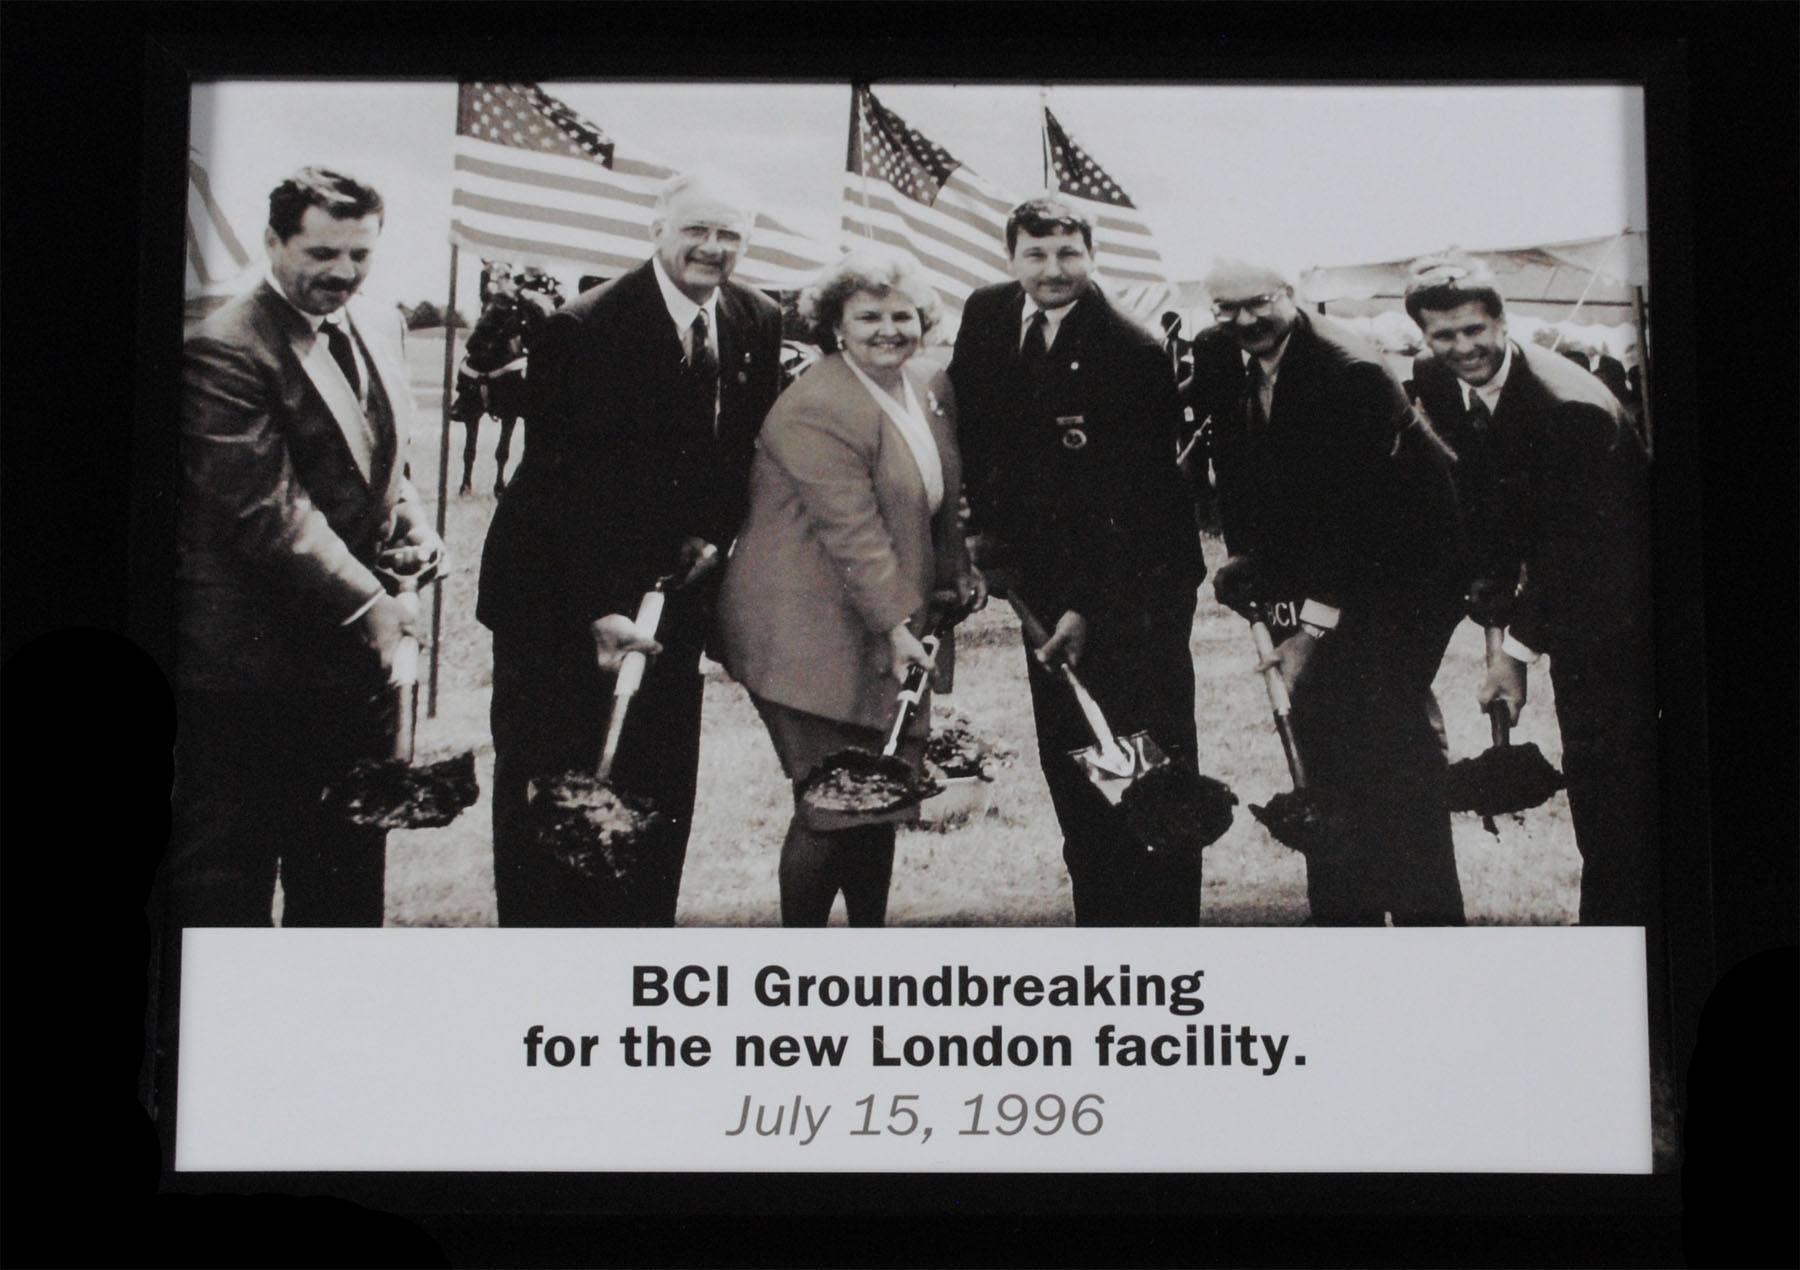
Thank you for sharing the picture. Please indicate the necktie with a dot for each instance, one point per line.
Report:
(337, 339)
(1479, 415)
(1034, 354)
(1256, 397)
(703, 363)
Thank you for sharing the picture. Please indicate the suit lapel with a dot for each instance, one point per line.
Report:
(328, 381)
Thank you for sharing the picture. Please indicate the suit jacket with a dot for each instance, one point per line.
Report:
(622, 462)
(1559, 485)
(840, 546)
(279, 524)
(1343, 495)
(1079, 483)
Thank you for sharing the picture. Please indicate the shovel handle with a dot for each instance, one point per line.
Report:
(912, 690)
(404, 677)
(1498, 714)
(1279, 703)
(630, 676)
(631, 668)
(1104, 736)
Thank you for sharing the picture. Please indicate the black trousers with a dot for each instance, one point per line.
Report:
(1138, 668)
(1362, 720)
(1606, 712)
(548, 716)
(249, 770)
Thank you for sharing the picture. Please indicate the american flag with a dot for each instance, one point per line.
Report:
(216, 260)
(1124, 248)
(905, 190)
(535, 183)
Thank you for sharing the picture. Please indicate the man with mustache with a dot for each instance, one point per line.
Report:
(1069, 421)
(296, 521)
(645, 397)
(1553, 479)
(1342, 524)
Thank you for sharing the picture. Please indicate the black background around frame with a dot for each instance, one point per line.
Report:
(94, 146)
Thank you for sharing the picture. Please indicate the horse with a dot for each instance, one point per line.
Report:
(490, 379)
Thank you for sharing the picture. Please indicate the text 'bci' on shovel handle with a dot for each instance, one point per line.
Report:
(1278, 699)
(1104, 737)
(630, 676)
(1498, 714)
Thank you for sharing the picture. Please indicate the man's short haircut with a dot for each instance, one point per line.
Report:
(725, 190)
(877, 270)
(1442, 283)
(1040, 217)
(344, 197)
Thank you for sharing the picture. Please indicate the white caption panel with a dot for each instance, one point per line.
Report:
(1488, 1050)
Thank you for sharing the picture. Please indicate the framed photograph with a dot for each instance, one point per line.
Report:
(1054, 1004)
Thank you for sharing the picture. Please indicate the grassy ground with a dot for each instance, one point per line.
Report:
(1003, 868)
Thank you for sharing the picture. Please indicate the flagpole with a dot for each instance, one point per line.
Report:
(1044, 129)
(443, 490)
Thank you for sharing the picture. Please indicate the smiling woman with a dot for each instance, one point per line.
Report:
(851, 536)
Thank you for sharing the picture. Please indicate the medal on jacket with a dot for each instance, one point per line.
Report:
(1074, 435)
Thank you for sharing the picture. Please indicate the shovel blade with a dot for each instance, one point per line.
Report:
(1113, 774)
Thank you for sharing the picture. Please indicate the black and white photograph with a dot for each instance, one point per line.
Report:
(910, 628)
(1434, 766)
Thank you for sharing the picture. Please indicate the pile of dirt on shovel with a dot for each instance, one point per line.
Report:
(591, 827)
(390, 793)
(1170, 808)
(1502, 780)
(1297, 819)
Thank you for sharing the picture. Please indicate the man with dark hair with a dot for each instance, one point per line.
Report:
(1069, 423)
(1553, 480)
(645, 398)
(1342, 526)
(296, 522)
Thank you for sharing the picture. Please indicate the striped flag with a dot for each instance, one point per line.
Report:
(902, 189)
(216, 260)
(1124, 248)
(535, 183)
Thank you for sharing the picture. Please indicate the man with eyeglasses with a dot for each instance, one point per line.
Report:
(1338, 512)
(645, 398)
(1553, 481)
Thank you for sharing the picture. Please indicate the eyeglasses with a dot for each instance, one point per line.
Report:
(1257, 305)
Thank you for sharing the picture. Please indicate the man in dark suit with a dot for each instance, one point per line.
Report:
(645, 399)
(1069, 423)
(294, 504)
(1553, 479)
(1342, 526)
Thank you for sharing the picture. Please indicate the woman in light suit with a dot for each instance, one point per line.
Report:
(851, 531)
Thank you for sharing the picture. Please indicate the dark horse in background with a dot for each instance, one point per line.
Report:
(490, 379)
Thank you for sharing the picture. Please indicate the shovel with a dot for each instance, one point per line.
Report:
(1165, 805)
(1293, 818)
(579, 818)
(1504, 779)
(851, 785)
(391, 793)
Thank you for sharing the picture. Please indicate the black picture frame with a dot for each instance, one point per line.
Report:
(108, 177)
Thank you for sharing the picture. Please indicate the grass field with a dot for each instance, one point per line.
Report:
(1001, 869)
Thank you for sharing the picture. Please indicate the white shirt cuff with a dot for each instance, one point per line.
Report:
(366, 606)
(1517, 651)
(1321, 615)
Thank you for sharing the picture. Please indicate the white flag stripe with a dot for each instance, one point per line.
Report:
(551, 207)
(982, 259)
(1109, 221)
(946, 276)
(498, 244)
